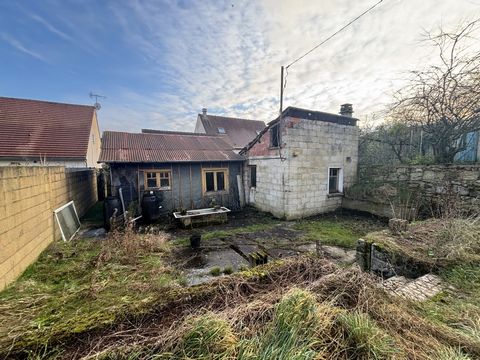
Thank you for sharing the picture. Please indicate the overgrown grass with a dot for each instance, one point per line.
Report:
(338, 230)
(297, 331)
(459, 307)
(365, 339)
(209, 337)
(78, 285)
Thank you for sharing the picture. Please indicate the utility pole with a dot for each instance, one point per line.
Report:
(281, 90)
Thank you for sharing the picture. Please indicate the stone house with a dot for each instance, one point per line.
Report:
(35, 133)
(301, 162)
(185, 170)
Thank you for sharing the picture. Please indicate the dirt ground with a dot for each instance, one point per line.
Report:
(233, 246)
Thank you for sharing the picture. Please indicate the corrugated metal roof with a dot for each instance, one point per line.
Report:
(164, 147)
(34, 129)
(238, 132)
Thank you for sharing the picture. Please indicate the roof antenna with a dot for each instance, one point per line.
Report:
(97, 105)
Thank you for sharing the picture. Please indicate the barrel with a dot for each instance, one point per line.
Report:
(150, 207)
(109, 205)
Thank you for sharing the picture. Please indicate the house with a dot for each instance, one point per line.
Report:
(300, 164)
(34, 132)
(185, 170)
(237, 132)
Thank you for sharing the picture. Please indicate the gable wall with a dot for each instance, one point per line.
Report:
(94, 144)
(293, 182)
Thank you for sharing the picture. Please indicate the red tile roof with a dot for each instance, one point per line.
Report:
(238, 132)
(34, 129)
(164, 147)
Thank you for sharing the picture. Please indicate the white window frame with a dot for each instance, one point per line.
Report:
(340, 180)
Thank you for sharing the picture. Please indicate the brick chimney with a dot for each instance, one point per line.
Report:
(346, 110)
(204, 111)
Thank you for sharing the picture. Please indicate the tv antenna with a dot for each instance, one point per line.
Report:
(97, 105)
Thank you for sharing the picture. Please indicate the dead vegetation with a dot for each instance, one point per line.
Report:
(341, 315)
(120, 301)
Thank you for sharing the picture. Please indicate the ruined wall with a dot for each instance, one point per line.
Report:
(186, 186)
(292, 181)
(28, 196)
(379, 186)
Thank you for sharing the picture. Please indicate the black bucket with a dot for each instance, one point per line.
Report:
(195, 240)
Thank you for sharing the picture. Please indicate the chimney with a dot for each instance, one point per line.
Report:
(346, 110)
(204, 111)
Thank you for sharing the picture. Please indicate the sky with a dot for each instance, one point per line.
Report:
(160, 62)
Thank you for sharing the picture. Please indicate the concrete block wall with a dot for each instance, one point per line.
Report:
(312, 147)
(269, 194)
(28, 196)
(296, 185)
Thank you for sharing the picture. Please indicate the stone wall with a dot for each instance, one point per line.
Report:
(28, 196)
(378, 187)
(292, 181)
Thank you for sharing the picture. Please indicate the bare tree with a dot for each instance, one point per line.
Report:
(444, 99)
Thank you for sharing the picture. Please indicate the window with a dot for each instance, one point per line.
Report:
(275, 136)
(335, 180)
(214, 180)
(253, 176)
(221, 130)
(157, 179)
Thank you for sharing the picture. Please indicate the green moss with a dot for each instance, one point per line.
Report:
(329, 232)
(218, 234)
(228, 270)
(79, 285)
(215, 271)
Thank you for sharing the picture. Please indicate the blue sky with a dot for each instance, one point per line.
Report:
(160, 62)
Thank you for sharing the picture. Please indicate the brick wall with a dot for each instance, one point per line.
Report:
(28, 196)
(293, 182)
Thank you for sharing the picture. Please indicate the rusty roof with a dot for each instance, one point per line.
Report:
(238, 132)
(33, 129)
(164, 147)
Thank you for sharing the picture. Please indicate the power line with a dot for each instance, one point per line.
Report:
(334, 34)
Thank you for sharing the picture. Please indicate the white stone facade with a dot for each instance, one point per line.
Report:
(292, 182)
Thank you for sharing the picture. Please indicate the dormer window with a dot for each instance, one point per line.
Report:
(221, 130)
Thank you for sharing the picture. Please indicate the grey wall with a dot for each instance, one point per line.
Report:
(186, 185)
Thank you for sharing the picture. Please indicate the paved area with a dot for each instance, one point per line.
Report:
(420, 289)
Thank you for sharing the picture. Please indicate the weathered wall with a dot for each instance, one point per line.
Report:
(28, 196)
(186, 187)
(292, 181)
(380, 186)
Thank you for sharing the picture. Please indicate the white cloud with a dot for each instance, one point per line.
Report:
(50, 27)
(226, 56)
(20, 47)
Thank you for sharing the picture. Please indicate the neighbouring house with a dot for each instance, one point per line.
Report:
(237, 132)
(301, 162)
(185, 170)
(34, 132)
